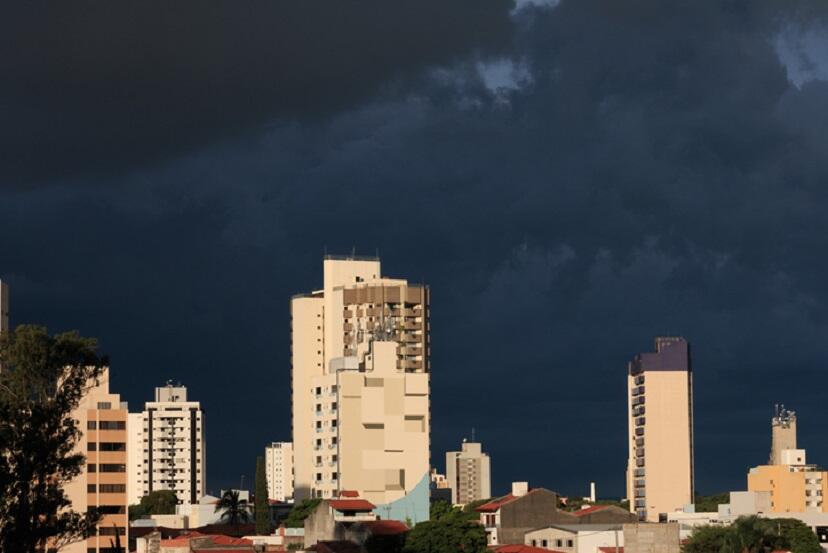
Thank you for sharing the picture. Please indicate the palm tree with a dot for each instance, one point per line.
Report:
(234, 510)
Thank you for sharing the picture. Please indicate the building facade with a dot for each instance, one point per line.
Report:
(102, 484)
(279, 470)
(794, 485)
(173, 450)
(468, 473)
(577, 538)
(660, 417)
(360, 383)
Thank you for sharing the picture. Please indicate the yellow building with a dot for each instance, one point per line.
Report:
(794, 486)
(660, 416)
(102, 484)
(360, 383)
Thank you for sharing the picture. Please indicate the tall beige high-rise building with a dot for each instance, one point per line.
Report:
(360, 381)
(468, 473)
(4, 306)
(783, 434)
(173, 452)
(660, 412)
(279, 470)
(102, 484)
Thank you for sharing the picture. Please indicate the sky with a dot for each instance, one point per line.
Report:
(570, 178)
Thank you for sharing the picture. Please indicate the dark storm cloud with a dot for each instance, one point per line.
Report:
(614, 172)
(94, 86)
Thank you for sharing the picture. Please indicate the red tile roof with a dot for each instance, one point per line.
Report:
(495, 504)
(214, 550)
(588, 510)
(348, 493)
(520, 548)
(611, 549)
(386, 527)
(351, 505)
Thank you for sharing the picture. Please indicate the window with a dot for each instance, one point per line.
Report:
(104, 405)
(111, 509)
(112, 425)
(91, 425)
(113, 446)
(113, 468)
(91, 467)
(90, 488)
(558, 543)
(111, 531)
(544, 543)
(570, 543)
(91, 446)
(113, 488)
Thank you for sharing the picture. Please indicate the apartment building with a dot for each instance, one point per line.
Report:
(173, 450)
(660, 417)
(102, 484)
(4, 306)
(360, 382)
(279, 470)
(468, 473)
(793, 484)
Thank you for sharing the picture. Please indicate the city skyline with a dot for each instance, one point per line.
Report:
(637, 364)
(570, 180)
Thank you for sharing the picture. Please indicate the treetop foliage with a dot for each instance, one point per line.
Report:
(42, 381)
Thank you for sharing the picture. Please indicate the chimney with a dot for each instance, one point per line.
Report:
(592, 492)
(519, 489)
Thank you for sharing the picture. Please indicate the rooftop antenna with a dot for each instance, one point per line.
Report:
(473, 440)
(353, 251)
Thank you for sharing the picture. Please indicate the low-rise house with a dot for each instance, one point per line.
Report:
(604, 514)
(576, 538)
(508, 518)
(322, 523)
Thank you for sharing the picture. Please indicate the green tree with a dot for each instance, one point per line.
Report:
(42, 382)
(710, 503)
(449, 530)
(296, 517)
(234, 510)
(754, 535)
(157, 502)
(707, 539)
(798, 536)
(262, 505)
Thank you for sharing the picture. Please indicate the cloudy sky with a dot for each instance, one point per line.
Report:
(571, 179)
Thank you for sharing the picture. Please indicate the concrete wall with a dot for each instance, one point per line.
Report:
(651, 538)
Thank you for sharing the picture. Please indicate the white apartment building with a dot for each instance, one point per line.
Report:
(172, 453)
(360, 381)
(468, 473)
(279, 469)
